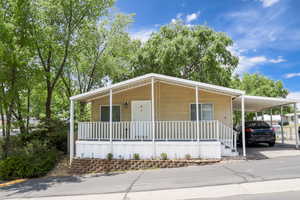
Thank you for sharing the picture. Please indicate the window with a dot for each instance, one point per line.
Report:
(194, 111)
(116, 113)
(205, 112)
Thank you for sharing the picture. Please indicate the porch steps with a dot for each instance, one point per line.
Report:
(226, 151)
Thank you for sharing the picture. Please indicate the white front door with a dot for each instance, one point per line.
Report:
(141, 119)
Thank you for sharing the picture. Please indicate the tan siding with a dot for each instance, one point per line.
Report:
(171, 102)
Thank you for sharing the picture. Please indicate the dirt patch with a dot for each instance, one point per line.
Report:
(62, 168)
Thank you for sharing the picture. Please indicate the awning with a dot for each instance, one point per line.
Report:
(146, 79)
(258, 103)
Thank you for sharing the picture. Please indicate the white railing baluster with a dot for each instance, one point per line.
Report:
(165, 130)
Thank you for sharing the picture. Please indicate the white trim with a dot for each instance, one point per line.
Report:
(153, 115)
(216, 88)
(71, 130)
(296, 125)
(107, 105)
(283, 100)
(243, 126)
(197, 112)
(110, 120)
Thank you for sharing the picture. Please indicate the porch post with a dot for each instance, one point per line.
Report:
(197, 114)
(256, 116)
(296, 125)
(197, 118)
(71, 130)
(110, 120)
(243, 126)
(263, 116)
(153, 116)
(281, 126)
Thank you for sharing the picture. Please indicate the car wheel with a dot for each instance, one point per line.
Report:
(271, 144)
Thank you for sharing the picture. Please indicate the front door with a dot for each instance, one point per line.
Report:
(141, 119)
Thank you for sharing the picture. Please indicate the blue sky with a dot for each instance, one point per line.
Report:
(266, 33)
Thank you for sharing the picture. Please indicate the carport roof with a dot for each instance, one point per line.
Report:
(259, 103)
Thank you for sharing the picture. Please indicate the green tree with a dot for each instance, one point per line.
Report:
(16, 62)
(54, 27)
(102, 51)
(259, 85)
(193, 52)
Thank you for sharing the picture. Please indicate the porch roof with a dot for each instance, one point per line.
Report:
(259, 103)
(146, 79)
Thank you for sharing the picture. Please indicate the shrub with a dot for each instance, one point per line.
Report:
(55, 132)
(35, 153)
(164, 156)
(109, 156)
(35, 160)
(188, 156)
(136, 156)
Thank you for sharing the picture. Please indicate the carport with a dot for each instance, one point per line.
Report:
(246, 103)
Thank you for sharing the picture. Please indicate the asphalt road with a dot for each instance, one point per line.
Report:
(158, 179)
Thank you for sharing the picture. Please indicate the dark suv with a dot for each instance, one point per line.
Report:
(258, 132)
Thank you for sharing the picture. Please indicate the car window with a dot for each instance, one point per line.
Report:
(257, 124)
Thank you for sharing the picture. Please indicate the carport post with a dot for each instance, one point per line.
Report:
(296, 125)
(71, 130)
(281, 122)
(243, 125)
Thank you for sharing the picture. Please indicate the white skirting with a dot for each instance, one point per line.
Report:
(174, 150)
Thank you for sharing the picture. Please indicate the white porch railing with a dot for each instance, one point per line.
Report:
(164, 131)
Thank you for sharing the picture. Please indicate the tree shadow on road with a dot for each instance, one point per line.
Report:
(37, 184)
(41, 184)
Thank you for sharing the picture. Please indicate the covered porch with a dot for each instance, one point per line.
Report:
(161, 111)
(154, 114)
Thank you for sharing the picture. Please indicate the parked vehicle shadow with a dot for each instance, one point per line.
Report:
(263, 151)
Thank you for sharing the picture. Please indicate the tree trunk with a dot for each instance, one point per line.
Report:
(82, 106)
(28, 110)
(48, 103)
(2, 120)
(7, 133)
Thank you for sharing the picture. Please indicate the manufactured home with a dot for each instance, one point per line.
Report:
(154, 114)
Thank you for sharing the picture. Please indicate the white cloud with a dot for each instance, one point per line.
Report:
(246, 63)
(278, 60)
(268, 3)
(142, 35)
(185, 18)
(292, 75)
(295, 95)
(192, 17)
